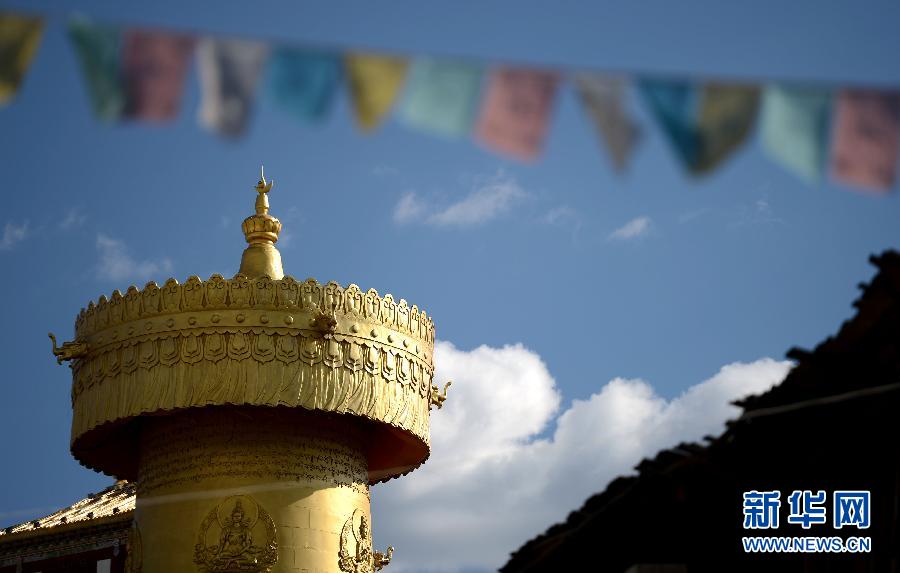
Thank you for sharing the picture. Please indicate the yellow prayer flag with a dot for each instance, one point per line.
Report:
(19, 39)
(374, 84)
(726, 118)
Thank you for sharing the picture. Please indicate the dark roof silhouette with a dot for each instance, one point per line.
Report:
(832, 423)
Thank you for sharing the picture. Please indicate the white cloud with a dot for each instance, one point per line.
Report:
(481, 205)
(561, 215)
(487, 201)
(74, 218)
(116, 263)
(761, 213)
(564, 217)
(13, 234)
(409, 208)
(634, 228)
(495, 479)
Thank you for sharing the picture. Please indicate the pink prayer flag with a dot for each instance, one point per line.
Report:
(154, 67)
(866, 138)
(516, 111)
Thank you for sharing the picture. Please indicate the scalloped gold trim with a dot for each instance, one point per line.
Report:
(350, 306)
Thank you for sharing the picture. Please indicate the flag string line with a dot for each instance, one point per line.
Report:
(488, 62)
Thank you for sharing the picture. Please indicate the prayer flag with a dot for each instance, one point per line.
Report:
(19, 39)
(374, 83)
(674, 105)
(866, 138)
(98, 51)
(794, 128)
(304, 82)
(229, 72)
(515, 114)
(727, 115)
(604, 98)
(154, 68)
(441, 96)
(705, 125)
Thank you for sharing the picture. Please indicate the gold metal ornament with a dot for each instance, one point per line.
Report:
(356, 554)
(301, 394)
(237, 536)
(437, 399)
(382, 560)
(325, 322)
(69, 350)
(261, 230)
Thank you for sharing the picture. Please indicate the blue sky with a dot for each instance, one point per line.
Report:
(734, 267)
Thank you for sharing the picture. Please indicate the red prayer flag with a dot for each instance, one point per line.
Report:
(516, 111)
(154, 67)
(866, 138)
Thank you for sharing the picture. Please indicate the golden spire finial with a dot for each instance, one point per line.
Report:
(262, 180)
(261, 231)
(263, 187)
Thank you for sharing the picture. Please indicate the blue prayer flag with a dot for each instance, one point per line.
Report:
(704, 124)
(304, 82)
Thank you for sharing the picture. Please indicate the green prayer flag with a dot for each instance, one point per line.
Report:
(441, 96)
(794, 125)
(98, 48)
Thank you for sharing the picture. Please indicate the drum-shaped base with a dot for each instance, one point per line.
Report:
(248, 490)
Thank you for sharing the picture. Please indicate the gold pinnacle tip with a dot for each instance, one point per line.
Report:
(262, 186)
(261, 231)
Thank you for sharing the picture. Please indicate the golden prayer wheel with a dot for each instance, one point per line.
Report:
(253, 412)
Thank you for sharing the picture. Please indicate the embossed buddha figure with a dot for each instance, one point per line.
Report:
(236, 541)
(364, 546)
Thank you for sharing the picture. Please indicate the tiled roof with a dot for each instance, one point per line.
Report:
(114, 500)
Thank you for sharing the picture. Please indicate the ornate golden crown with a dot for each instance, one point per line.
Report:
(259, 339)
(259, 302)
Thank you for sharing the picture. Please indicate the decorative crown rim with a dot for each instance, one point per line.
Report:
(324, 303)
